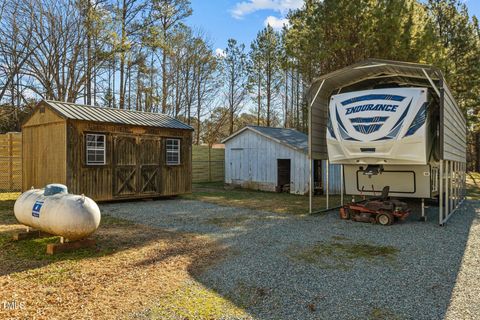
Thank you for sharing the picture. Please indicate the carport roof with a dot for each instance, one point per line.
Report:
(287, 136)
(358, 77)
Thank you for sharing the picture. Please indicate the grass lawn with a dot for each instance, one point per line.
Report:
(214, 192)
(134, 268)
(473, 186)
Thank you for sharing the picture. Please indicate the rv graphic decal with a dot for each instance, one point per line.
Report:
(368, 125)
(377, 115)
(371, 107)
(369, 97)
(419, 120)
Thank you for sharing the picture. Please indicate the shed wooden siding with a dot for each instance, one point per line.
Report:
(133, 153)
(251, 161)
(44, 149)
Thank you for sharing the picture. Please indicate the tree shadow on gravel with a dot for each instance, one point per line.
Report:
(415, 281)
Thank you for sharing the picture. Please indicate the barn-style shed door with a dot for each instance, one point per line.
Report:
(136, 166)
(125, 170)
(149, 165)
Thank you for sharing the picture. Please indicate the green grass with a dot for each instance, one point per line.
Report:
(214, 192)
(7, 200)
(382, 314)
(35, 250)
(194, 301)
(473, 186)
(335, 254)
(57, 273)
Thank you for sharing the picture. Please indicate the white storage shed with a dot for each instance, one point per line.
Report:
(275, 159)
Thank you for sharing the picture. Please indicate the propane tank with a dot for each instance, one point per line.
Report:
(53, 210)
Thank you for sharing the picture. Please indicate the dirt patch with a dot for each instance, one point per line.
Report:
(382, 314)
(228, 221)
(133, 269)
(341, 255)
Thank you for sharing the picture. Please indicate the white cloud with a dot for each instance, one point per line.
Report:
(220, 52)
(276, 23)
(244, 8)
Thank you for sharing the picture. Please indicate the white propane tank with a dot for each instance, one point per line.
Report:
(53, 210)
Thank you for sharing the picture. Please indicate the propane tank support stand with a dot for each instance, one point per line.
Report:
(30, 234)
(53, 248)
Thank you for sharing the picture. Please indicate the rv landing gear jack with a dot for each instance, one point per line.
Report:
(423, 218)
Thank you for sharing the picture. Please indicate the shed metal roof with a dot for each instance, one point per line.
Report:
(120, 116)
(290, 137)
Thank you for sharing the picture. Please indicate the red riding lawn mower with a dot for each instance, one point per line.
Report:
(383, 210)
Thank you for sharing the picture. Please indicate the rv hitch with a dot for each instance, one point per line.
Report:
(373, 170)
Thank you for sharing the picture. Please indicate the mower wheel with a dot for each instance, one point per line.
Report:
(345, 213)
(385, 218)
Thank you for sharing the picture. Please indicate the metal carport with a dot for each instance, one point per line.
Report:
(376, 72)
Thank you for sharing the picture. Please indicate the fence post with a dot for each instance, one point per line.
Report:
(10, 160)
(209, 164)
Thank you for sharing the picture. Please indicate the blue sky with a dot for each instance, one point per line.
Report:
(242, 19)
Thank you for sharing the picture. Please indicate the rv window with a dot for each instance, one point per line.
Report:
(95, 149)
(173, 151)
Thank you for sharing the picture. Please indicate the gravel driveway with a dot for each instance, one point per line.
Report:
(320, 267)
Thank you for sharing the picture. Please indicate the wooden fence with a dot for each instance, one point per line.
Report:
(208, 164)
(11, 161)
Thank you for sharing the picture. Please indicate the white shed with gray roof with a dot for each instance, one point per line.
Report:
(274, 159)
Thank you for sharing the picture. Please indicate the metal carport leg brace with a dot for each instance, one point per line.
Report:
(452, 188)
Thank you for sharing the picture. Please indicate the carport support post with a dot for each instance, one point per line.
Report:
(341, 184)
(452, 191)
(423, 210)
(310, 194)
(440, 195)
(447, 189)
(456, 184)
(327, 171)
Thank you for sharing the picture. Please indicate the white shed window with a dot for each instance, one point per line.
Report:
(173, 151)
(95, 149)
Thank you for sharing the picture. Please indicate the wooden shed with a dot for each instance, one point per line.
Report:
(275, 159)
(106, 153)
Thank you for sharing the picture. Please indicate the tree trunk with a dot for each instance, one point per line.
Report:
(122, 54)
(232, 101)
(199, 110)
(285, 123)
(298, 98)
(88, 83)
(477, 151)
(164, 82)
(259, 98)
(269, 92)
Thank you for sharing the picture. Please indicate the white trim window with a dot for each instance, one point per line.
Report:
(95, 149)
(173, 151)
